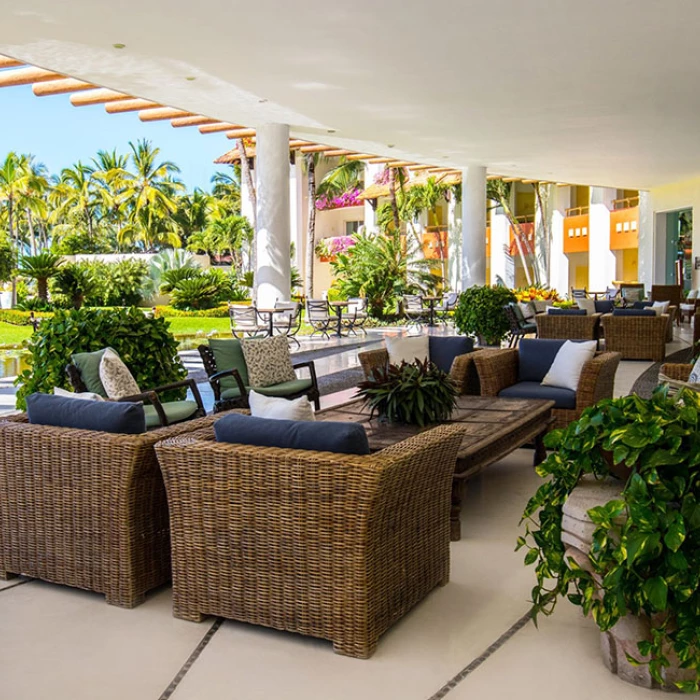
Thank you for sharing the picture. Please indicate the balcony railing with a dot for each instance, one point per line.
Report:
(578, 211)
(626, 203)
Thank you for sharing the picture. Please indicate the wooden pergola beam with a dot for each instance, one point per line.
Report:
(97, 97)
(400, 163)
(421, 167)
(337, 152)
(194, 120)
(240, 133)
(361, 156)
(216, 127)
(132, 105)
(27, 76)
(163, 113)
(380, 160)
(511, 179)
(296, 143)
(493, 177)
(61, 87)
(7, 62)
(315, 148)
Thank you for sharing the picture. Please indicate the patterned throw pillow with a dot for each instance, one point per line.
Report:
(268, 361)
(115, 376)
(694, 377)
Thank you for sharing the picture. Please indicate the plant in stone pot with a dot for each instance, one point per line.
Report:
(638, 574)
(418, 393)
(479, 312)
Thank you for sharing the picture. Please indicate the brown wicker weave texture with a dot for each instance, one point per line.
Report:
(564, 327)
(636, 337)
(85, 508)
(463, 372)
(498, 369)
(677, 371)
(327, 545)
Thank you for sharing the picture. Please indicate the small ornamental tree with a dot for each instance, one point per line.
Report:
(479, 312)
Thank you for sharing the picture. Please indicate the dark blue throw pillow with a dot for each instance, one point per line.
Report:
(535, 358)
(633, 312)
(106, 416)
(443, 349)
(566, 312)
(344, 438)
(642, 304)
(604, 306)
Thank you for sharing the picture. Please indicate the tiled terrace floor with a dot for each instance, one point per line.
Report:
(65, 644)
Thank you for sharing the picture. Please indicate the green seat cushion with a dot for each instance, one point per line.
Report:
(176, 411)
(296, 386)
(229, 355)
(88, 364)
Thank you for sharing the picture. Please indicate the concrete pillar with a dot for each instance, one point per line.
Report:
(454, 244)
(371, 171)
(272, 183)
(559, 262)
(473, 226)
(500, 242)
(646, 259)
(601, 266)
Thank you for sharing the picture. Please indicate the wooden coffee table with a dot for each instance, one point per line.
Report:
(493, 428)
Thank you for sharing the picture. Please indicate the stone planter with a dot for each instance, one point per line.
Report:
(622, 639)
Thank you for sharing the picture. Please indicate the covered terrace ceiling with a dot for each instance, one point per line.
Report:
(601, 92)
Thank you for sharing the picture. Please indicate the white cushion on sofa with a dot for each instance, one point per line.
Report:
(660, 307)
(407, 349)
(280, 408)
(84, 395)
(566, 369)
(588, 305)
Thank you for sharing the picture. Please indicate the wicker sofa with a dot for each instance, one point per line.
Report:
(568, 327)
(85, 508)
(636, 337)
(498, 370)
(328, 545)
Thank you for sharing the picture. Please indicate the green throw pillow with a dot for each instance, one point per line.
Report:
(229, 355)
(88, 364)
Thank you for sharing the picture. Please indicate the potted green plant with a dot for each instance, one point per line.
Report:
(418, 393)
(641, 573)
(479, 312)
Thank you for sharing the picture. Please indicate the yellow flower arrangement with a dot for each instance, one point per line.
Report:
(535, 293)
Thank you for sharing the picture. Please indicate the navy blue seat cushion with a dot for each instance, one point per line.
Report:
(443, 350)
(633, 312)
(604, 306)
(563, 398)
(536, 357)
(566, 312)
(106, 416)
(345, 438)
(642, 304)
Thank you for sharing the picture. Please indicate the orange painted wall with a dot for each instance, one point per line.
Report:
(624, 229)
(528, 230)
(431, 245)
(576, 230)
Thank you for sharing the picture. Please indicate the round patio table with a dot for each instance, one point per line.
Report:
(431, 308)
(339, 306)
(270, 316)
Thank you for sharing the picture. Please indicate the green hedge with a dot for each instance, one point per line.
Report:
(21, 318)
(145, 344)
(220, 311)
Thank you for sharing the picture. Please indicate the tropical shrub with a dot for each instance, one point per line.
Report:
(73, 283)
(201, 292)
(645, 554)
(145, 344)
(7, 258)
(161, 263)
(479, 312)
(123, 281)
(171, 278)
(41, 268)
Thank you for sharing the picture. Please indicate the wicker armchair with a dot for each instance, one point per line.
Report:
(462, 372)
(568, 327)
(85, 508)
(498, 370)
(636, 337)
(673, 293)
(328, 545)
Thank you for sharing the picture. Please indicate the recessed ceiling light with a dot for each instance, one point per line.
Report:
(190, 77)
(390, 145)
(119, 46)
(331, 131)
(262, 99)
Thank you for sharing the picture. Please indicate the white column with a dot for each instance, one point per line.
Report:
(454, 244)
(647, 261)
(559, 263)
(500, 240)
(272, 184)
(601, 266)
(371, 171)
(473, 226)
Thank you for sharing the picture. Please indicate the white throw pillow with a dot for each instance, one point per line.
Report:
(694, 377)
(566, 369)
(588, 305)
(407, 349)
(692, 294)
(115, 376)
(85, 395)
(660, 307)
(280, 408)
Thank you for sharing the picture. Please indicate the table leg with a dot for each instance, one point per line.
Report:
(540, 450)
(271, 331)
(432, 313)
(455, 510)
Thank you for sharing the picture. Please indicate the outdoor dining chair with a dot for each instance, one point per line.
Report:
(356, 315)
(288, 322)
(449, 303)
(579, 293)
(246, 322)
(319, 317)
(519, 327)
(413, 310)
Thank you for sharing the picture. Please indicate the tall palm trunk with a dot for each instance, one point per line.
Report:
(311, 229)
(253, 198)
(521, 242)
(545, 237)
(392, 199)
(11, 227)
(30, 224)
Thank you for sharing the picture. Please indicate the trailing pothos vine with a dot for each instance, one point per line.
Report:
(645, 553)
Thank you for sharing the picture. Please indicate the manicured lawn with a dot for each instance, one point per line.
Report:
(13, 335)
(193, 326)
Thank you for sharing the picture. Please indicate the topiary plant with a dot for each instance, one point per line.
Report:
(645, 554)
(479, 312)
(145, 344)
(417, 393)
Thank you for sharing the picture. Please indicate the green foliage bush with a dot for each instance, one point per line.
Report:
(479, 312)
(119, 283)
(73, 284)
(645, 554)
(220, 311)
(145, 345)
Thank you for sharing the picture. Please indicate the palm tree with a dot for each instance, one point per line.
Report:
(193, 213)
(40, 268)
(111, 176)
(347, 175)
(12, 177)
(76, 197)
(32, 197)
(311, 160)
(227, 190)
(152, 190)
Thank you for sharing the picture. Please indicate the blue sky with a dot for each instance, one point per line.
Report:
(59, 134)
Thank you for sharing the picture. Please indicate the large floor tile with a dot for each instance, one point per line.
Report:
(487, 593)
(66, 644)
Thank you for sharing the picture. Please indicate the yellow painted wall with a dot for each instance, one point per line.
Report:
(578, 271)
(630, 265)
